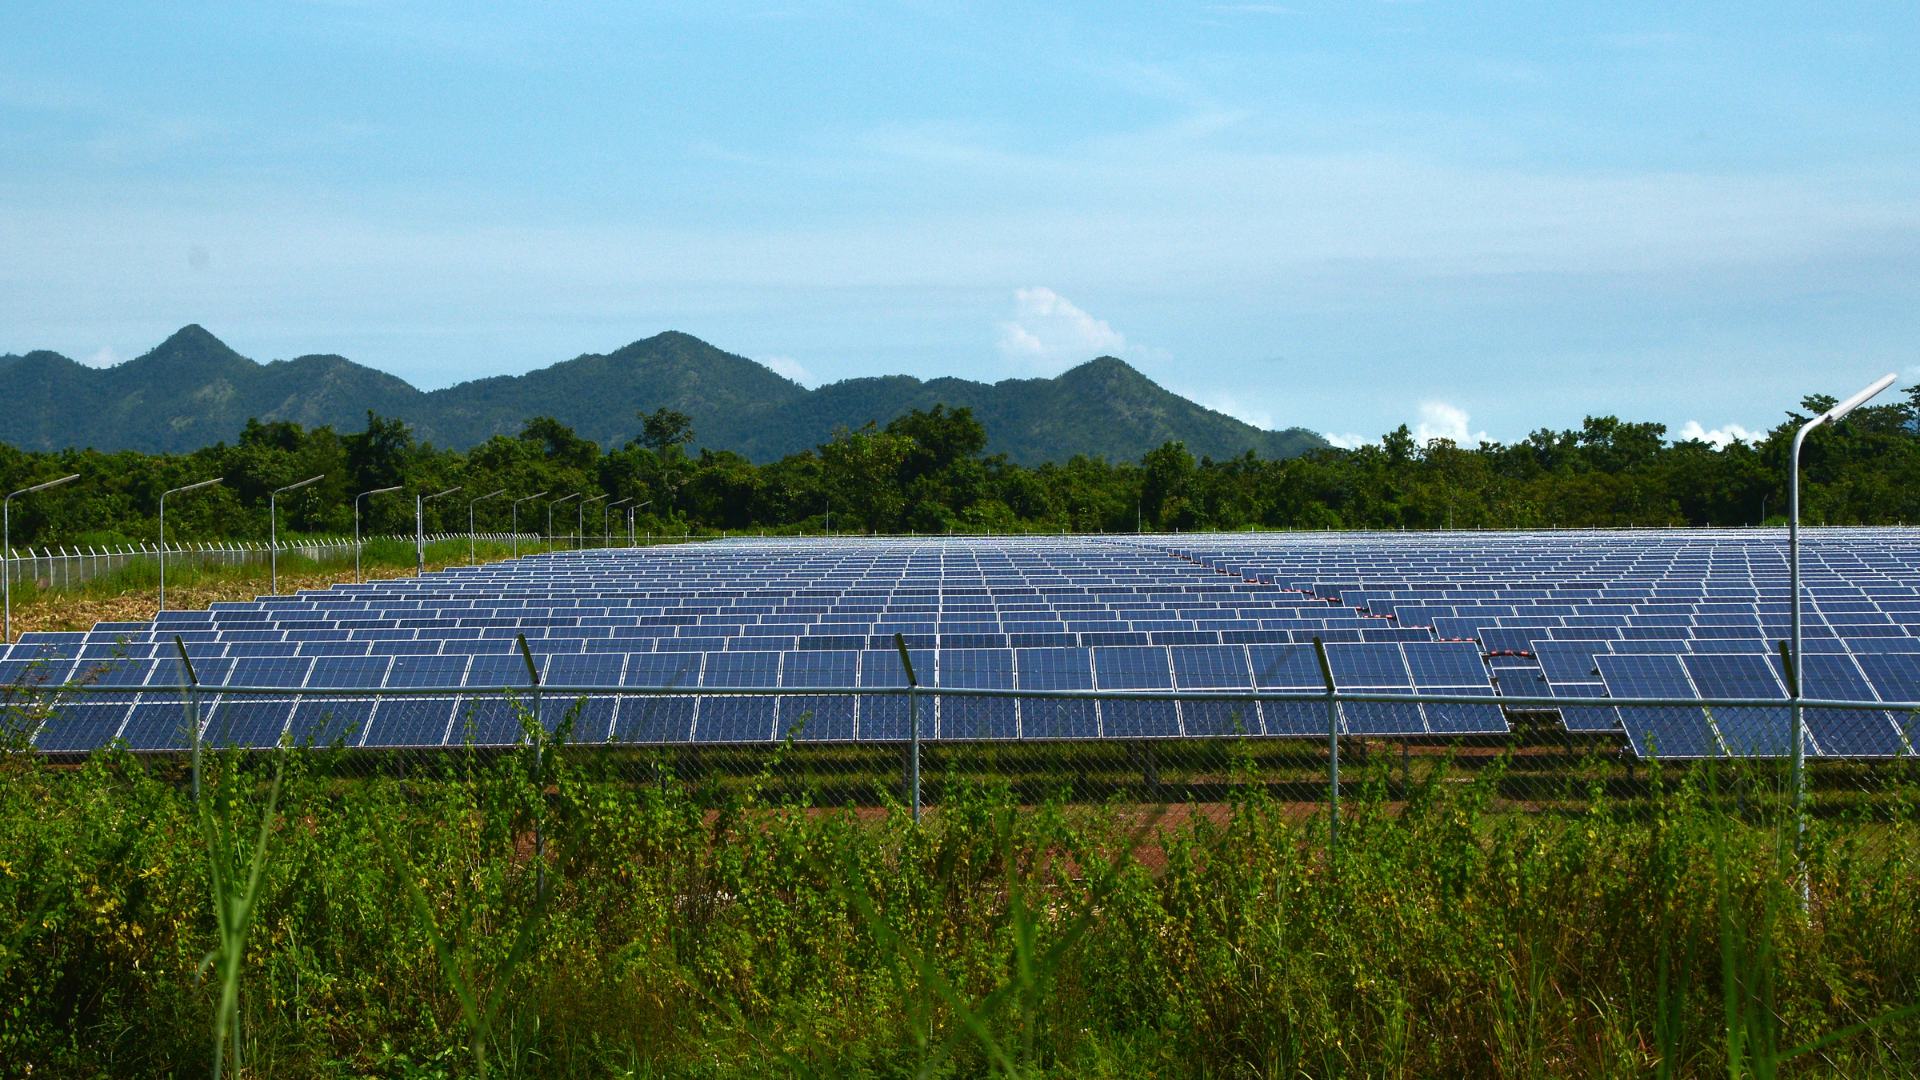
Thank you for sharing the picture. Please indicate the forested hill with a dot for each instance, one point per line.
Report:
(192, 391)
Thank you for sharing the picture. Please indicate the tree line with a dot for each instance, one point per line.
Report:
(928, 472)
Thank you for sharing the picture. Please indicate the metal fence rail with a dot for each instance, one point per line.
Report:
(60, 566)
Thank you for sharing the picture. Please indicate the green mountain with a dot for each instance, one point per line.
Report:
(193, 390)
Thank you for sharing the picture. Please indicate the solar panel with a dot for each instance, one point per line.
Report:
(1057, 718)
(1215, 667)
(976, 718)
(1659, 731)
(1136, 668)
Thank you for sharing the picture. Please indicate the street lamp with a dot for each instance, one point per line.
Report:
(163, 530)
(273, 527)
(516, 519)
(420, 526)
(580, 527)
(356, 525)
(473, 550)
(1793, 570)
(632, 513)
(550, 506)
(6, 544)
(606, 521)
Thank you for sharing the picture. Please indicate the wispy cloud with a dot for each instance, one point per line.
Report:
(789, 368)
(1721, 436)
(1348, 441)
(1050, 333)
(1232, 406)
(104, 357)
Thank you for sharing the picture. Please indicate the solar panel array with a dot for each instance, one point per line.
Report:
(1572, 614)
(1671, 613)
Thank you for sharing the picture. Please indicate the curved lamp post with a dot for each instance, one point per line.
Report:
(516, 519)
(6, 543)
(273, 527)
(356, 525)
(163, 530)
(606, 521)
(580, 527)
(1793, 570)
(550, 506)
(420, 526)
(633, 513)
(473, 549)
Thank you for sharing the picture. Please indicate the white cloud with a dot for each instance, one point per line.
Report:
(1348, 441)
(105, 357)
(1049, 333)
(1720, 436)
(1234, 407)
(1439, 420)
(788, 367)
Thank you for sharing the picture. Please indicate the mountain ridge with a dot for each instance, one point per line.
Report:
(192, 390)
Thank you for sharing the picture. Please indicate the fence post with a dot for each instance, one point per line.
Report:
(539, 774)
(913, 721)
(1797, 731)
(192, 703)
(1333, 755)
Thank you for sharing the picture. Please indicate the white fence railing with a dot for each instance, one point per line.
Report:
(60, 567)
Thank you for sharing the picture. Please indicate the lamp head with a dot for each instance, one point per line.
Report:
(1841, 410)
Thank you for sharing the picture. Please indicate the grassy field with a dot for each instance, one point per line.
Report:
(568, 914)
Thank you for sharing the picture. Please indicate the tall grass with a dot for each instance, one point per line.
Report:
(686, 927)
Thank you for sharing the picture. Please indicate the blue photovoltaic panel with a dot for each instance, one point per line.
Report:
(1844, 732)
(1454, 669)
(824, 718)
(1136, 668)
(977, 718)
(1215, 667)
(883, 717)
(1745, 731)
(1057, 718)
(1896, 677)
(642, 719)
(737, 718)
(1289, 669)
(1658, 731)
(1374, 668)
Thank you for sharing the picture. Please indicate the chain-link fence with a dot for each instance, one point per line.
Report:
(907, 744)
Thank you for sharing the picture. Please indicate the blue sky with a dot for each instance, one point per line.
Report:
(1339, 216)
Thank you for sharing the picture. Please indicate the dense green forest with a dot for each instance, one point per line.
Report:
(927, 472)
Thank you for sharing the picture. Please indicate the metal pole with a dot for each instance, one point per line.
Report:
(606, 519)
(357, 576)
(550, 506)
(516, 519)
(6, 545)
(420, 526)
(913, 719)
(473, 549)
(539, 780)
(1793, 573)
(580, 524)
(192, 704)
(163, 530)
(1333, 755)
(273, 528)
